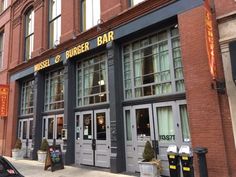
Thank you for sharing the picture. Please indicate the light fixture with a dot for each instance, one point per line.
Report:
(100, 119)
(101, 82)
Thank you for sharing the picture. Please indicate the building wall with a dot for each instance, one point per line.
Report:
(5, 27)
(226, 21)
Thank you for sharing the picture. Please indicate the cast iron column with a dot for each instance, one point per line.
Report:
(117, 158)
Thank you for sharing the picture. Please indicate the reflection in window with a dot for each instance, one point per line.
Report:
(29, 34)
(101, 126)
(90, 13)
(59, 127)
(92, 81)
(54, 90)
(30, 129)
(27, 96)
(184, 123)
(54, 22)
(77, 128)
(165, 124)
(148, 64)
(24, 136)
(142, 121)
(128, 125)
(50, 128)
(87, 127)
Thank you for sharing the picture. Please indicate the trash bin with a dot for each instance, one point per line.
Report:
(173, 158)
(186, 157)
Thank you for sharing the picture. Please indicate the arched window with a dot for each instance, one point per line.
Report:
(29, 34)
(54, 22)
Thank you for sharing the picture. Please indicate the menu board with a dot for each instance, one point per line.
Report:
(54, 158)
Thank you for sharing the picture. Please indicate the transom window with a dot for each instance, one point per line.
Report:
(54, 22)
(29, 34)
(27, 97)
(54, 90)
(90, 13)
(1, 49)
(92, 81)
(153, 66)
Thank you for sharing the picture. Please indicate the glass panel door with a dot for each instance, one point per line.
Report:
(77, 138)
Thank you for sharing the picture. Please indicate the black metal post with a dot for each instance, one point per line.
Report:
(201, 156)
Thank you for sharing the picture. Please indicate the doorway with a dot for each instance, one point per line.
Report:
(92, 134)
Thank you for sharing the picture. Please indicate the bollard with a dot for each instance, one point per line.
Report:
(186, 157)
(173, 158)
(201, 156)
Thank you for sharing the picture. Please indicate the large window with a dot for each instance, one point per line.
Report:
(29, 34)
(152, 65)
(3, 5)
(1, 50)
(54, 22)
(92, 80)
(54, 90)
(90, 13)
(27, 96)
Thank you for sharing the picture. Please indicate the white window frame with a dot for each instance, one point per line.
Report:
(1, 49)
(29, 27)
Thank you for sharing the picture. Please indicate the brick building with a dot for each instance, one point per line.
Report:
(114, 74)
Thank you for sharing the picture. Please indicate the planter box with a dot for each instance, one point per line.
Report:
(17, 154)
(42, 156)
(148, 169)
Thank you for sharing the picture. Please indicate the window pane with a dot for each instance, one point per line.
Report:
(142, 123)
(90, 13)
(128, 126)
(29, 34)
(30, 129)
(24, 130)
(87, 127)
(50, 128)
(101, 126)
(77, 128)
(134, 2)
(59, 126)
(184, 123)
(27, 97)
(165, 124)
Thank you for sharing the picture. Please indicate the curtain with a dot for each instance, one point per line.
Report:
(165, 121)
(185, 125)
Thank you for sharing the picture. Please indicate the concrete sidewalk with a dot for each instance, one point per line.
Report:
(30, 168)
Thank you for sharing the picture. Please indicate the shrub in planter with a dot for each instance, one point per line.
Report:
(17, 152)
(149, 167)
(42, 152)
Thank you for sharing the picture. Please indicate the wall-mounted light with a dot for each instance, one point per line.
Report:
(219, 86)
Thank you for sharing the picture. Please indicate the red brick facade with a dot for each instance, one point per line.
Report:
(208, 111)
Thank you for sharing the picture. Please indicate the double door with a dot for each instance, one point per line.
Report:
(162, 124)
(92, 131)
(25, 134)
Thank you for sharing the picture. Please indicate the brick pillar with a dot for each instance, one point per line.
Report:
(11, 121)
(203, 101)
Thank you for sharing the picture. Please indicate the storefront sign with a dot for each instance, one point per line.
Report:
(4, 92)
(42, 65)
(210, 42)
(81, 48)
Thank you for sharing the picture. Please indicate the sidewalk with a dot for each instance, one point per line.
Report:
(30, 168)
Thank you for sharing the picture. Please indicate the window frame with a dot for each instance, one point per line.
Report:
(105, 59)
(51, 20)
(30, 10)
(173, 78)
(1, 48)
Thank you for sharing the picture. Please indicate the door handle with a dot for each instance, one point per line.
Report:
(134, 148)
(108, 147)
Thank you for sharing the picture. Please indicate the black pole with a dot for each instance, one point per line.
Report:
(201, 156)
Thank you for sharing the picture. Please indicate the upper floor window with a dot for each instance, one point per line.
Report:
(54, 90)
(1, 49)
(134, 2)
(90, 13)
(92, 81)
(29, 34)
(153, 65)
(27, 97)
(54, 22)
(3, 5)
